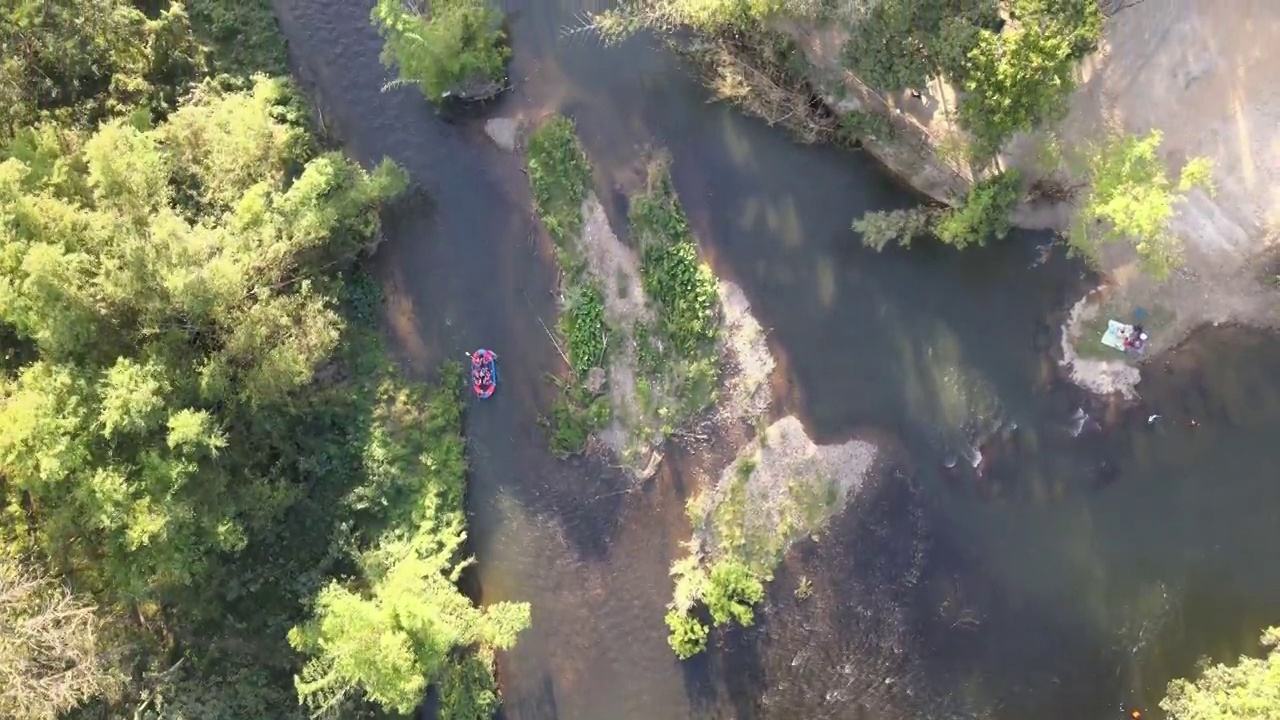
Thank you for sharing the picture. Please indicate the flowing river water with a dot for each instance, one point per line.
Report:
(1094, 557)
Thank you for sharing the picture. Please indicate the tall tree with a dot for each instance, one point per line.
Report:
(1248, 690)
(165, 329)
(82, 61)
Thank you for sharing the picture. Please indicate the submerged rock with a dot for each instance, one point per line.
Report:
(504, 132)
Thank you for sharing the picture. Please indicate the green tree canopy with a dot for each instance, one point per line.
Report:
(84, 60)
(1015, 80)
(1130, 197)
(1248, 690)
(199, 429)
(167, 279)
(455, 47)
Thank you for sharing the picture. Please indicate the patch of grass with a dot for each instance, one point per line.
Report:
(683, 347)
(560, 177)
(576, 414)
(1088, 343)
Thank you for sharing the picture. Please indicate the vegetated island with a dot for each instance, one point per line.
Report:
(654, 343)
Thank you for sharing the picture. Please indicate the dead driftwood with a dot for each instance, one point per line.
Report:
(739, 70)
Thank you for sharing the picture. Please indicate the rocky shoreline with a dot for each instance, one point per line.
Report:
(1225, 276)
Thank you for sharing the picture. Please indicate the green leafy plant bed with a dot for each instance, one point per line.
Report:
(681, 350)
(560, 178)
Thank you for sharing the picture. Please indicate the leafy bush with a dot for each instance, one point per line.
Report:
(1130, 197)
(732, 592)
(575, 415)
(688, 635)
(1248, 690)
(729, 591)
(683, 287)
(583, 328)
(984, 212)
(857, 124)
(560, 177)
(1015, 80)
(881, 227)
(899, 44)
(458, 49)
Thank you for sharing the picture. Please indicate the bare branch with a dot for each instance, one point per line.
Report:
(50, 661)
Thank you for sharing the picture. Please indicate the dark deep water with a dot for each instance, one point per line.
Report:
(1079, 573)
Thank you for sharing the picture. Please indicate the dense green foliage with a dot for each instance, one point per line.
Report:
(560, 178)
(983, 213)
(78, 62)
(243, 34)
(878, 228)
(199, 430)
(683, 287)
(1015, 80)
(402, 631)
(1017, 71)
(165, 277)
(1248, 690)
(898, 44)
(727, 592)
(456, 48)
(1130, 197)
(680, 351)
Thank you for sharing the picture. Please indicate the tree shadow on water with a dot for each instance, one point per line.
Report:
(837, 638)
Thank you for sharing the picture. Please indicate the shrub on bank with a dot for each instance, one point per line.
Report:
(728, 592)
(983, 213)
(456, 48)
(1130, 197)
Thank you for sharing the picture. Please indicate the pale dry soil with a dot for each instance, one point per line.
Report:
(793, 488)
(1205, 75)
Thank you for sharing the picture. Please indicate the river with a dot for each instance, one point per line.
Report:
(1093, 559)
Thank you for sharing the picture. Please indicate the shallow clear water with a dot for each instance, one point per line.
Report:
(1075, 574)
